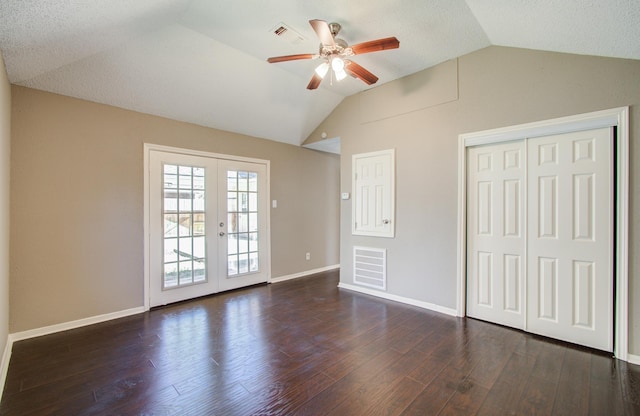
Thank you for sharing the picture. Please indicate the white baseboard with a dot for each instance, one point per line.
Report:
(46, 330)
(633, 359)
(303, 274)
(4, 364)
(32, 333)
(401, 299)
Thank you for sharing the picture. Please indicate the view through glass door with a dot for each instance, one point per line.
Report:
(208, 226)
(243, 254)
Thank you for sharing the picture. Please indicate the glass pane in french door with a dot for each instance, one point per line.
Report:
(242, 223)
(184, 238)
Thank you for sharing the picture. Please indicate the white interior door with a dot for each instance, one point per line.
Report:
(496, 233)
(374, 194)
(570, 285)
(554, 275)
(208, 226)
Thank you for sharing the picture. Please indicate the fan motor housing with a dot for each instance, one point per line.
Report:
(341, 47)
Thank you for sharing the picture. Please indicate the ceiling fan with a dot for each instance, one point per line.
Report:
(334, 53)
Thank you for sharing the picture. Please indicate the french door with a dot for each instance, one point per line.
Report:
(208, 225)
(540, 236)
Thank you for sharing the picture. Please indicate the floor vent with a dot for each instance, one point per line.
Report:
(370, 267)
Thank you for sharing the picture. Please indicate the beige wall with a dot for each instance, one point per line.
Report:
(5, 142)
(421, 117)
(77, 204)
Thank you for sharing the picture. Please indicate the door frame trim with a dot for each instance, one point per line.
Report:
(147, 148)
(615, 117)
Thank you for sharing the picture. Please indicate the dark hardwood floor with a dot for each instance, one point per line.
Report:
(303, 347)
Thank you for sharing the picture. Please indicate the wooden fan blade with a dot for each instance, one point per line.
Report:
(375, 45)
(285, 58)
(322, 30)
(358, 71)
(315, 82)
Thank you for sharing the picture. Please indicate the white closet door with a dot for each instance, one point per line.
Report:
(496, 233)
(570, 232)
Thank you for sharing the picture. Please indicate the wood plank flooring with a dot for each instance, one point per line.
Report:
(304, 347)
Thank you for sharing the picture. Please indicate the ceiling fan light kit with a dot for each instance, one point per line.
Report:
(337, 64)
(322, 69)
(334, 52)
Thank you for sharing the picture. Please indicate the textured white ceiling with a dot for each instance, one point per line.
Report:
(204, 61)
(585, 27)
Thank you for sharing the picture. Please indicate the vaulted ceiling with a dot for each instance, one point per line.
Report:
(204, 61)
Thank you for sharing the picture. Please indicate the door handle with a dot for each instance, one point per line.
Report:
(221, 234)
(386, 221)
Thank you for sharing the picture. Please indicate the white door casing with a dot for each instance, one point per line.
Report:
(570, 244)
(496, 233)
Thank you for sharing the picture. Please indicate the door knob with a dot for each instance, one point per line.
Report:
(221, 234)
(386, 221)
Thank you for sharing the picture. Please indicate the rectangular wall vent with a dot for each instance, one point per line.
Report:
(370, 267)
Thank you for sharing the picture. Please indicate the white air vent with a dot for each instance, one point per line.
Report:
(285, 32)
(370, 267)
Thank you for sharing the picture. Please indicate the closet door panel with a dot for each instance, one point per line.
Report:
(570, 244)
(495, 237)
